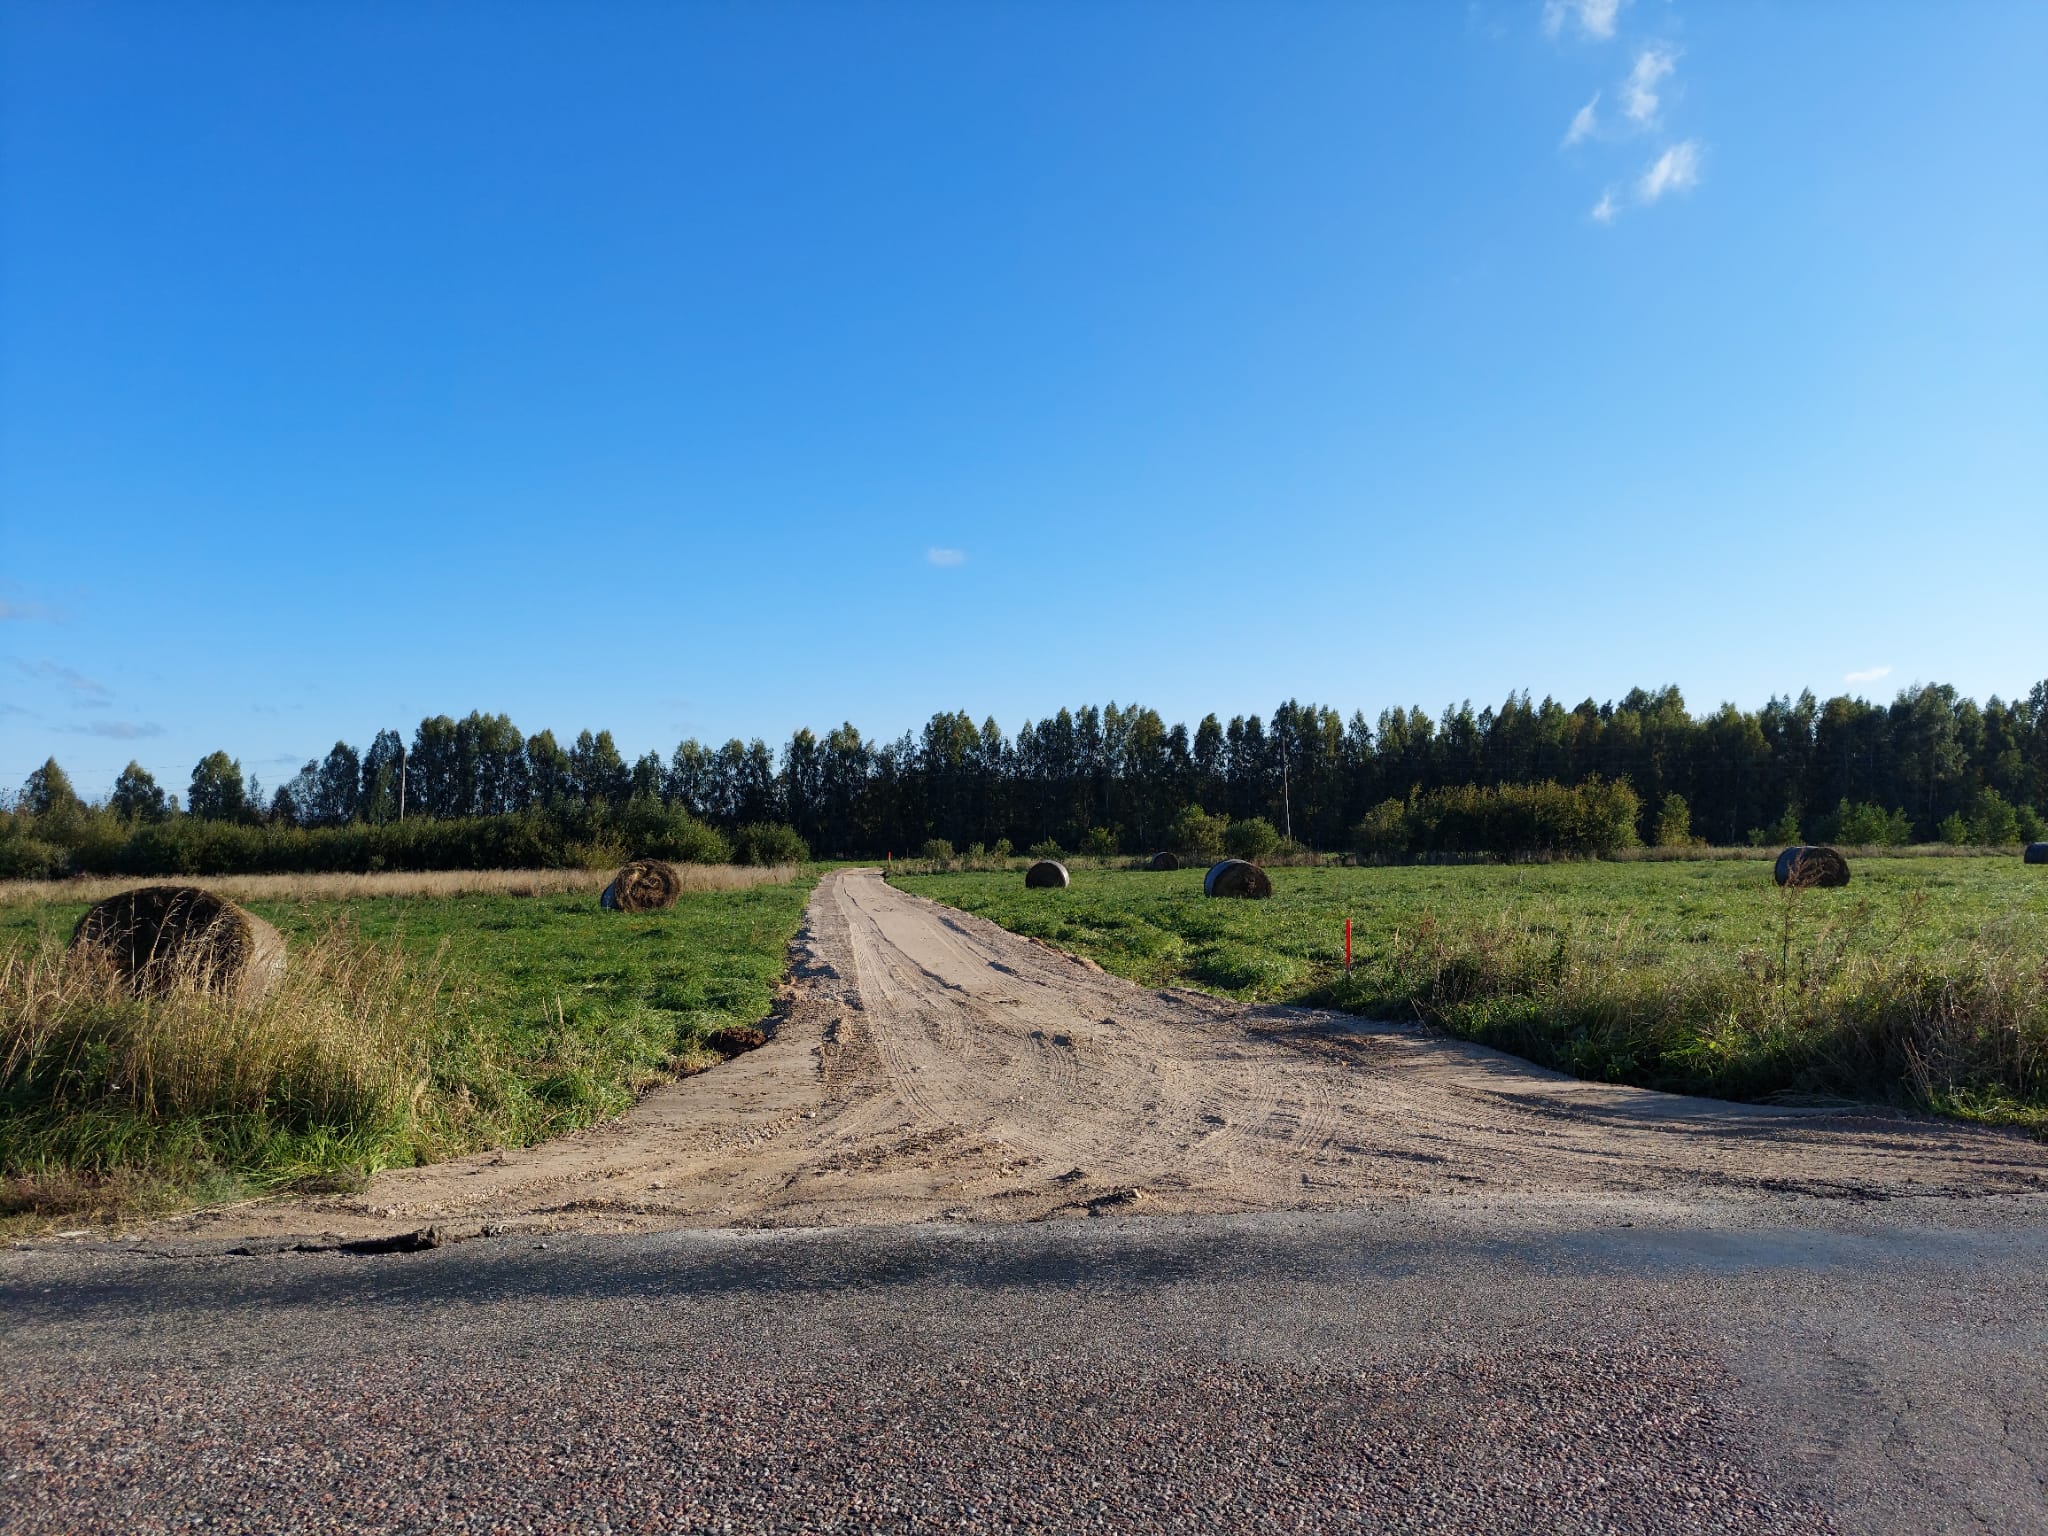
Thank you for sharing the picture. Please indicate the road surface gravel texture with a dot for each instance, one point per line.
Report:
(985, 1240)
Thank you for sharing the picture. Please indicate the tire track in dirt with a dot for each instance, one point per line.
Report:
(928, 1064)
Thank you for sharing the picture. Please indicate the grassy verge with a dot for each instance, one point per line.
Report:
(409, 1028)
(1925, 982)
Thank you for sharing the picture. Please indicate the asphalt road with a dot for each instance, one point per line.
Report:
(1803, 1365)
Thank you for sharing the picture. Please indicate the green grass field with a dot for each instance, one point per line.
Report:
(409, 1029)
(1925, 981)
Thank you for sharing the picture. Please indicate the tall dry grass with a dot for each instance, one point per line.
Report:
(483, 882)
(336, 1065)
(1833, 1006)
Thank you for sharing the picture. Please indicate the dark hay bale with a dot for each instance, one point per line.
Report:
(1808, 866)
(1162, 861)
(735, 1039)
(1236, 877)
(163, 935)
(1046, 874)
(644, 885)
(2037, 853)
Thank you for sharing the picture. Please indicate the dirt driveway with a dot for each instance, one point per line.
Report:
(930, 1065)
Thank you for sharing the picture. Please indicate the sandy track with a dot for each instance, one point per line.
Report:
(929, 1064)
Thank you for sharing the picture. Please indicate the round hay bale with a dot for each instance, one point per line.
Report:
(2037, 853)
(1046, 874)
(1162, 861)
(1237, 877)
(1807, 866)
(161, 936)
(644, 885)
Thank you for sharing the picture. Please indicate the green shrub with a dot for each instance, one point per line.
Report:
(658, 831)
(1783, 831)
(1992, 819)
(1099, 842)
(1585, 820)
(1196, 833)
(769, 842)
(1383, 835)
(1863, 825)
(1252, 839)
(937, 849)
(23, 855)
(1047, 849)
(1674, 823)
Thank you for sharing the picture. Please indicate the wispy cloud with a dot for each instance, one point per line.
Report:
(1596, 18)
(939, 556)
(1603, 211)
(1640, 91)
(118, 730)
(1867, 675)
(1585, 122)
(1676, 170)
(83, 689)
(24, 613)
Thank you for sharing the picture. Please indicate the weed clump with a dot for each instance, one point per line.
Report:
(331, 1068)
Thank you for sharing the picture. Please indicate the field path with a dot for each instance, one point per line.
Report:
(930, 1065)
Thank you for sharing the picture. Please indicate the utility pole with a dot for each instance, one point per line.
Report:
(1286, 799)
(401, 781)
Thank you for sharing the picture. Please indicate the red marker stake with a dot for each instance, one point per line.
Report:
(1347, 946)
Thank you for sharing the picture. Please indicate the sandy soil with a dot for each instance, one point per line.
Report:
(930, 1065)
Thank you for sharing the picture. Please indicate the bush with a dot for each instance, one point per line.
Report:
(1003, 848)
(1783, 831)
(1047, 850)
(1289, 852)
(937, 849)
(1953, 829)
(769, 842)
(1383, 835)
(1674, 823)
(1252, 839)
(1586, 820)
(1992, 819)
(1863, 825)
(24, 855)
(658, 831)
(1196, 833)
(1099, 842)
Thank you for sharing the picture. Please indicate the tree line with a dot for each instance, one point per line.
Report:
(1930, 766)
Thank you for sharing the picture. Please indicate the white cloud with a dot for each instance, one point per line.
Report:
(1676, 170)
(1584, 123)
(1603, 211)
(22, 613)
(1639, 98)
(84, 689)
(1596, 18)
(939, 556)
(1867, 675)
(118, 730)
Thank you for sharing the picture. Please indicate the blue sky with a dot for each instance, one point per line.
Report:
(715, 370)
